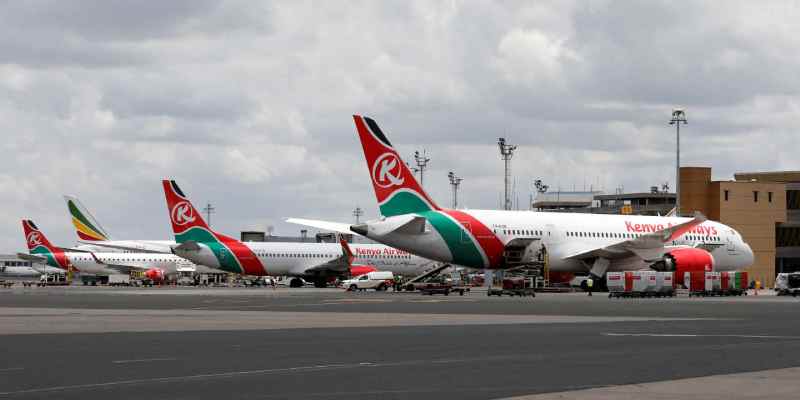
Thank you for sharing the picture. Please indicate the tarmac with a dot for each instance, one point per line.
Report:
(256, 343)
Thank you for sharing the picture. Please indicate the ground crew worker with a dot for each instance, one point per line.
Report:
(589, 284)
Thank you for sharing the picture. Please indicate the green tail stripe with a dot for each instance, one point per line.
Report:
(79, 215)
(403, 203)
(458, 240)
(42, 251)
(227, 260)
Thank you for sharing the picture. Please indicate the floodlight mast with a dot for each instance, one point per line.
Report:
(678, 117)
(506, 153)
(455, 182)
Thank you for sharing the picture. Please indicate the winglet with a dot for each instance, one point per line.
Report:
(676, 231)
(347, 252)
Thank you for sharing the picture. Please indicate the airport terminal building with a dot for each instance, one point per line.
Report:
(763, 206)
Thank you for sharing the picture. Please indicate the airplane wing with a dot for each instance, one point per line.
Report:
(32, 258)
(649, 246)
(119, 268)
(339, 264)
(323, 225)
(112, 245)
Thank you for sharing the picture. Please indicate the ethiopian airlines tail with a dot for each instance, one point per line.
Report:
(86, 226)
(397, 190)
(41, 248)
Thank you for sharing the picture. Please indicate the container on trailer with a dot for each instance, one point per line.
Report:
(695, 281)
(641, 281)
(651, 281)
(615, 281)
(714, 278)
(725, 280)
(665, 282)
(742, 280)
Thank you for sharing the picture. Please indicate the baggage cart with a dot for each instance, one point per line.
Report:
(514, 286)
(665, 284)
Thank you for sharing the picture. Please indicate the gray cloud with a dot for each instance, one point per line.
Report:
(249, 104)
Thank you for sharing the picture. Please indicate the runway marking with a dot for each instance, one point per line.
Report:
(11, 369)
(701, 335)
(187, 378)
(142, 360)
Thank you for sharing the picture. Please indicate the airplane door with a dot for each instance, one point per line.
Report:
(731, 244)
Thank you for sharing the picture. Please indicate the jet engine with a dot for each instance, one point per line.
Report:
(154, 274)
(686, 260)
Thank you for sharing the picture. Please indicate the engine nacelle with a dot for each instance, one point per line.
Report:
(154, 274)
(361, 270)
(688, 260)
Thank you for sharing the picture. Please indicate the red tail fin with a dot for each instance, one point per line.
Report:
(389, 173)
(182, 213)
(34, 237)
(38, 244)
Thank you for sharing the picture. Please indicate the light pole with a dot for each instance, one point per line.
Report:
(506, 152)
(540, 187)
(678, 117)
(358, 212)
(209, 209)
(455, 182)
(422, 163)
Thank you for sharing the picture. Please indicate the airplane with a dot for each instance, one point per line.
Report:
(493, 239)
(93, 237)
(155, 265)
(317, 262)
(25, 271)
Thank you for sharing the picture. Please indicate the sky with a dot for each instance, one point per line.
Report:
(249, 105)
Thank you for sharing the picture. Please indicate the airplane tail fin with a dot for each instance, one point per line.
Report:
(182, 214)
(86, 226)
(38, 244)
(396, 188)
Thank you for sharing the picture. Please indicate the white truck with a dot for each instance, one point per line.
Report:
(787, 284)
(378, 280)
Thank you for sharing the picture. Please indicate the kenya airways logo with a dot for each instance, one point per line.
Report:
(387, 170)
(34, 239)
(182, 214)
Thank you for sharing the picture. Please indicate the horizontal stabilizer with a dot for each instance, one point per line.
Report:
(32, 258)
(189, 245)
(323, 225)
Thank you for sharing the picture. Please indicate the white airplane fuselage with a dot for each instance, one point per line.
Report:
(299, 259)
(476, 238)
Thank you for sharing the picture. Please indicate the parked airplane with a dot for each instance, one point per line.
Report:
(10, 269)
(493, 239)
(317, 262)
(94, 238)
(155, 266)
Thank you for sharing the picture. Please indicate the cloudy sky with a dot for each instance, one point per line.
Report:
(248, 105)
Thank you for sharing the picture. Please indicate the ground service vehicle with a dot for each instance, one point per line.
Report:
(378, 280)
(787, 284)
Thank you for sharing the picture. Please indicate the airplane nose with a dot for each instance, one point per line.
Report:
(749, 257)
(360, 229)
